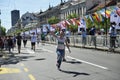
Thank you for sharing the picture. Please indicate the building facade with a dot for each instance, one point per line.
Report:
(73, 6)
(62, 10)
(28, 18)
(51, 11)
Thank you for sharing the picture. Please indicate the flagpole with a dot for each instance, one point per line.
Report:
(0, 24)
(105, 23)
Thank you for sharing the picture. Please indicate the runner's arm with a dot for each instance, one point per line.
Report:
(52, 33)
(67, 46)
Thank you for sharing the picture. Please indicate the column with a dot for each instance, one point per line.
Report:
(82, 11)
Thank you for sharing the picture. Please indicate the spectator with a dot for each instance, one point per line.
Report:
(83, 34)
(93, 37)
(113, 34)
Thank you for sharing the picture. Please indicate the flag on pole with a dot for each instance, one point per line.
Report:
(90, 17)
(67, 22)
(73, 21)
(96, 17)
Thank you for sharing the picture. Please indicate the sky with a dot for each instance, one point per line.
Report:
(32, 6)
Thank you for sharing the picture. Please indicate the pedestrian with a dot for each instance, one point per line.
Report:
(38, 39)
(113, 34)
(43, 38)
(14, 40)
(83, 34)
(19, 38)
(10, 43)
(33, 40)
(60, 47)
(24, 40)
(6, 43)
(1, 43)
(93, 37)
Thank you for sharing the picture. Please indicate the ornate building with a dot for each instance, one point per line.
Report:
(62, 10)
(51, 11)
(28, 18)
(73, 6)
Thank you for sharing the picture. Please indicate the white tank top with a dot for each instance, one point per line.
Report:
(61, 42)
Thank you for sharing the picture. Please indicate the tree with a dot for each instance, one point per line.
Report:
(70, 16)
(53, 20)
(2, 31)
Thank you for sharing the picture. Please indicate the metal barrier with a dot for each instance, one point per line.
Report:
(100, 40)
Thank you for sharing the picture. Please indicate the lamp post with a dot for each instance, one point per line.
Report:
(0, 24)
(105, 23)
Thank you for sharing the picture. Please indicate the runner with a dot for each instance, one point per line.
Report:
(24, 40)
(33, 40)
(19, 38)
(10, 44)
(60, 47)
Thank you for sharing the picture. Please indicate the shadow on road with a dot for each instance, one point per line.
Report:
(11, 59)
(40, 59)
(73, 62)
(75, 73)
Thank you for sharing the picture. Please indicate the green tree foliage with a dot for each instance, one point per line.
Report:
(53, 20)
(70, 16)
(3, 31)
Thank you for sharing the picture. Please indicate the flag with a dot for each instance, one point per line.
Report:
(78, 22)
(95, 16)
(82, 23)
(100, 17)
(73, 21)
(67, 22)
(105, 13)
(62, 25)
(86, 17)
(90, 17)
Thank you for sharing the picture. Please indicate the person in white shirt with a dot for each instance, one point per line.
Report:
(24, 40)
(33, 40)
(60, 47)
(113, 34)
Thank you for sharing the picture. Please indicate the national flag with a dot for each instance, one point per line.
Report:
(95, 16)
(73, 21)
(105, 13)
(82, 23)
(86, 18)
(67, 22)
(78, 22)
(62, 24)
(100, 17)
(90, 17)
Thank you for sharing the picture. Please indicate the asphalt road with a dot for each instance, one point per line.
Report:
(81, 64)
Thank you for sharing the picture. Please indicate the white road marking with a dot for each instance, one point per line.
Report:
(79, 60)
(30, 51)
(87, 62)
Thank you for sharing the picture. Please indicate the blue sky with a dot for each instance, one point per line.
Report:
(6, 6)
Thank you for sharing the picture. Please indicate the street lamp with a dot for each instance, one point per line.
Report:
(0, 23)
(105, 23)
